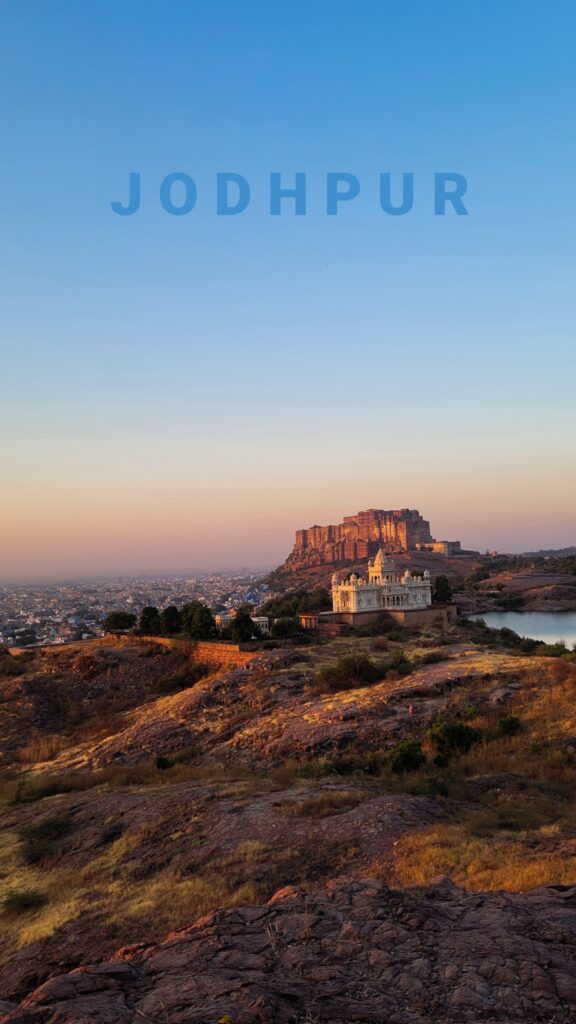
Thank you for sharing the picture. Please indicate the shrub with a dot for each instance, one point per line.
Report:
(163, 763)
(452, 737)
(406, 756)
(509, 725)
(349, 671)
(527, 645)
(12, 667)
(40, 841)
(433, 657)
(22, 900)
(399, 663)
(186, 676)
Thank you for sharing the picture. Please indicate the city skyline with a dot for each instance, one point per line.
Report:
(190, 390)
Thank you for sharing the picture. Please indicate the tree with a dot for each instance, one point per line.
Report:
(149, 621)
(170, 620)
(119, 622)
(198, 621)
(242, 629)
(285, 627)
(442, 593)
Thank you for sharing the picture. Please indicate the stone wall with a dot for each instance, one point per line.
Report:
(203, 650)
(442, 614)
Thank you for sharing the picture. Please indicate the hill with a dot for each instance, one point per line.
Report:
(142, 791)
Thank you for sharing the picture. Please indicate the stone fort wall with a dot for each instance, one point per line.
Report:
(361, 535)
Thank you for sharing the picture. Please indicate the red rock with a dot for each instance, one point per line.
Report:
(433, 975)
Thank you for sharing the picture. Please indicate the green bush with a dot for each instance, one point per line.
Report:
(509, 725)
(399, 663)
(22, 900)
(452, 737)
(433, 657)
(406, 756)
(348, 672)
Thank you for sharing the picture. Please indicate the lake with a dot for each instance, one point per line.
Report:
(551, 627)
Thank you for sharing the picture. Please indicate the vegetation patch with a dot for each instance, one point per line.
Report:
(21, 901)
(39, 842)
(407, 756)
(324, 804)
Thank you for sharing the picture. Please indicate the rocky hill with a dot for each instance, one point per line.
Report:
(257, 817)
(357, 538)
(297, 574)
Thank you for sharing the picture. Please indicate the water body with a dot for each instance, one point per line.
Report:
(551, 627)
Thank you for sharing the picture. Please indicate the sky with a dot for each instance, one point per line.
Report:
(185, 391)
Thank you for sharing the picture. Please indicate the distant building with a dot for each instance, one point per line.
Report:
(385, 589)
(225, 619)
(442, 547)
(263, 623)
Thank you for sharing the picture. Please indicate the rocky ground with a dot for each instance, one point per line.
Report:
(141, 792)
(357, 951)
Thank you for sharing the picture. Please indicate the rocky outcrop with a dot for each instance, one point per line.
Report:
(353, 952)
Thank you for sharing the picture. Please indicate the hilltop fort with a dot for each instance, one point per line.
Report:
(363, 535)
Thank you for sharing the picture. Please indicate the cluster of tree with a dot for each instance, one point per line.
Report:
(289, 605)
(194, 621)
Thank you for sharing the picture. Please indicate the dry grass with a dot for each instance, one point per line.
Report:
(324, 804)
(504, 859)
(60, 899)
(42, 748)
(37, 786)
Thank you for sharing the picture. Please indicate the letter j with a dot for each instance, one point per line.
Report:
(133, 203)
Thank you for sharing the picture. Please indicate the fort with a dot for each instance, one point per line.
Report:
(363, 535)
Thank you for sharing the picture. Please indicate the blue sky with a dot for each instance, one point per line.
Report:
(167, 376)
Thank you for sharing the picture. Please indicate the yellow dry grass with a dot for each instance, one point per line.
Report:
(323, 804)
(502, 861)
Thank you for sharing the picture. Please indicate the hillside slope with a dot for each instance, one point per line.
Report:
(141, 791)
